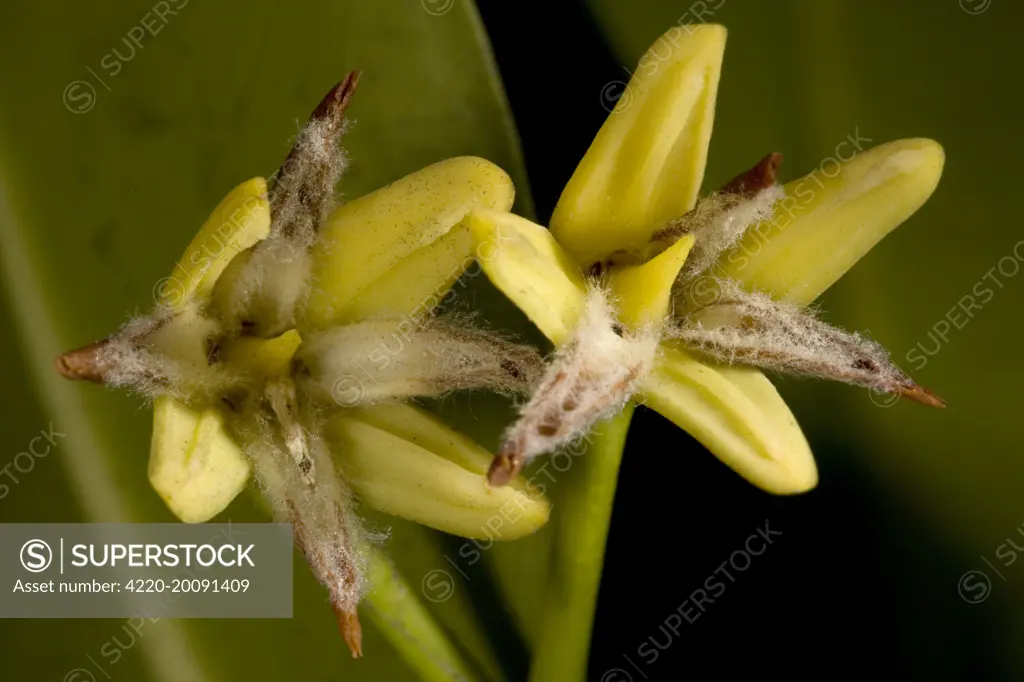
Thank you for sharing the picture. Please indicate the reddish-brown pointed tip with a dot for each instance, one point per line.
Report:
(504, 467)
(922, 395)
(84, 364)
(351, 630)
(760, 177)
(335, 102)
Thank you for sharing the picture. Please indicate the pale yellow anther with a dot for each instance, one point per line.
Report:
(264, 357)
(646, 164)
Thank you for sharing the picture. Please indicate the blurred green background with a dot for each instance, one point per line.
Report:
(104, 177)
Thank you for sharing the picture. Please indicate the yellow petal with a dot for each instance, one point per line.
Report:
(403, 461)
(826, 224)
(523, 260)
(646, 164)
(418, 283)
(643, 293)
(240, 220)
(737, 414)
(367, 237)
(194, 465)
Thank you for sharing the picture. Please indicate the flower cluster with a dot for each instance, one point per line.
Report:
(294, 350)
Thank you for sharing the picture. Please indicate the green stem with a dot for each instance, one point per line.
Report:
(410, 628)
(405, 622)
(583, 513)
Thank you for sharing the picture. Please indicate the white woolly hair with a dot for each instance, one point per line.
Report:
(589, 378)
(303, 194)
(166, 353)
(373, 362)
(718, 222)
(267, 284)
(326, 529)
(753, 329)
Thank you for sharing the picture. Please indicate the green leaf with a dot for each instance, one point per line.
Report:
(102, 189)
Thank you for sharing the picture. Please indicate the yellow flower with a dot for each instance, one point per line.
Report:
(286, 341)
(402, 255)
(647, 292)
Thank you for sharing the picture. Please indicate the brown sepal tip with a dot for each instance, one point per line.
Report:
(351, 630)
(84, 364)
(760, 177)
(504, 467)
(332, 107)
(921, 395)
(331, 110)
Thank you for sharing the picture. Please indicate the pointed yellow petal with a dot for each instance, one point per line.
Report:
(193, 464)
(830, 218)
(404, 461)
(646, 164)
(737, 414)
(240, 220)
(366, 238)
(524, 261)
(643, 293)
